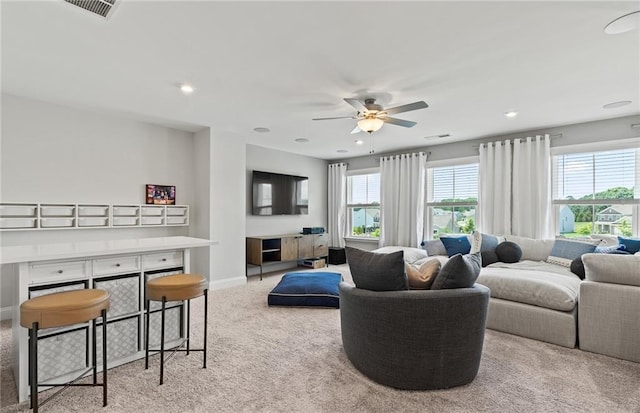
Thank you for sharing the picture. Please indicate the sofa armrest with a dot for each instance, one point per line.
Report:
(612, 268)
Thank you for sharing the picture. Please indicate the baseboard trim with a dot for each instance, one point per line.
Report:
(6, 313)
(227, 283)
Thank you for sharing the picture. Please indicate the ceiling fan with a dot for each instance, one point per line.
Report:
(372, 116)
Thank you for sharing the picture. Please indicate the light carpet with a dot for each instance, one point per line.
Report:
(277, 359)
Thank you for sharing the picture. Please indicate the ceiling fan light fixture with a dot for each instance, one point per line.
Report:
(370, 125)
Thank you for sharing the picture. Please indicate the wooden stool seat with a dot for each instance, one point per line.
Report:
(176, 287)
(64, 308)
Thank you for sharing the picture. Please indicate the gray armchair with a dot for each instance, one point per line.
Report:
(415, 340)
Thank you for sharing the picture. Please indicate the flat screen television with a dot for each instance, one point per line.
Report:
(279, 194)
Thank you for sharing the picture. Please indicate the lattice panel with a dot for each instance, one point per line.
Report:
(173, 323)
(125, 295)
(122, 339)
(61, 354)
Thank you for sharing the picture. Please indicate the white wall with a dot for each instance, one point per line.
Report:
(51, 153)
(227, 215)
(271, 160)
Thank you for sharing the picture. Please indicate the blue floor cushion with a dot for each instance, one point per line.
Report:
(303, 289)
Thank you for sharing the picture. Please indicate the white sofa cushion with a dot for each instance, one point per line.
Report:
(536, 283)
(533, 249)
(411, 255)
(612, 268)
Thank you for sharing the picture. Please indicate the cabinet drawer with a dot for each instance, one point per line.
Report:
(55, 272)
(125, 211)
(116, 265)
(176, 220)
(122, 339)
(152, 220)
(62, 354)
(92, 211)
(152, 211)
(125, 221)
(17, 210)
(176, 211)
(56, 210)
(162, 260)
(56, 222)
(17, 222)
(92, 222)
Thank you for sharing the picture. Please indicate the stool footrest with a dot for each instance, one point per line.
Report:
(65, 386)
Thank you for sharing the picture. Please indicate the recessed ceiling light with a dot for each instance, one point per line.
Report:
(302, 140)
(261, 129)
(186, 89)
(342, 151)
(624, 23)
(511, 114)
(359, 141)
(619, 104)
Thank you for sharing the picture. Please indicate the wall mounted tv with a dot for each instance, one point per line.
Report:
(279, 194)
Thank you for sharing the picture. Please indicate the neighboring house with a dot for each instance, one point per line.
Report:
(368, 217)
(609, 220)
(567, 220)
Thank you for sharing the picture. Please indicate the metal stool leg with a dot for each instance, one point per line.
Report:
(104, 358)
(206, 312)
(164, 302)
(33, 365)
(94, 355)
(188, 324)
(146, 337)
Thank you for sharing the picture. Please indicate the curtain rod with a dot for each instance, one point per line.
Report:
(554, 136)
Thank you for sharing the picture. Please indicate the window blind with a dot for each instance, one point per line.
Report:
(455, 183)
(364, 189)
(596, 175)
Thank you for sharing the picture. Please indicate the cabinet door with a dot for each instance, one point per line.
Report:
(254, 251)
(305, 246)
(320, 247)
(289, 249)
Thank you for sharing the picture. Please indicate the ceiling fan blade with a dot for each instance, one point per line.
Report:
(407, 108)
(399, 122)
(356, 130)
(338, 117)
(359, 106)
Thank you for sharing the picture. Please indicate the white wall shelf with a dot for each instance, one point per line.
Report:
(17, 216)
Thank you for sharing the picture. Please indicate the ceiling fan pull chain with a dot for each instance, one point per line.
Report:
(371, 151)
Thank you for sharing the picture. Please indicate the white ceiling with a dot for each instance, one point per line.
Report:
(279, 64)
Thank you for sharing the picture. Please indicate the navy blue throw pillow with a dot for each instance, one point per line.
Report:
(456, 244)
(631, 245)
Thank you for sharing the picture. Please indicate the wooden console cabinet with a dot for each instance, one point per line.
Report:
(282, 248)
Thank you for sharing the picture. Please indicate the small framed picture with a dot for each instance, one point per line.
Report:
(161, 194)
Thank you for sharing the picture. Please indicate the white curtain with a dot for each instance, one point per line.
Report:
(337, 208)
(494, 195)
(402, 197)
(531, 188)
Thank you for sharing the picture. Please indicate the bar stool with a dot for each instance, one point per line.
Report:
(177, 287)
(64, 309)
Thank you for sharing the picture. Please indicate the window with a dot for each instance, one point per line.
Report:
(363, 205)
(452, 193)
(597, 192)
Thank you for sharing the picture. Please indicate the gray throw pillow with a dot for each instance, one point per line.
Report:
(377, 272)
(461, 271)
(434, 247)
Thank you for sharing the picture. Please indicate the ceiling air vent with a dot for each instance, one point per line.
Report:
(99, 7)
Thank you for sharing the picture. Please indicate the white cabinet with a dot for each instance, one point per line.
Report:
(30, 216)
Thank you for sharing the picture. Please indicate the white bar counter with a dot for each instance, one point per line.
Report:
(120, 266)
